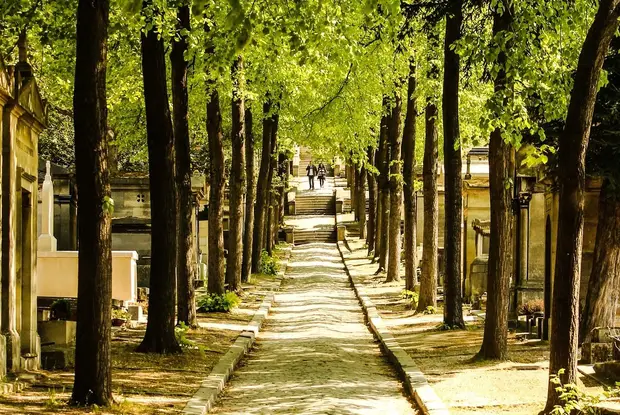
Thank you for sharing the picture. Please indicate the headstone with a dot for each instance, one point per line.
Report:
(47, 241)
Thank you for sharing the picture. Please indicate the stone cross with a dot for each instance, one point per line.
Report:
(47, 241)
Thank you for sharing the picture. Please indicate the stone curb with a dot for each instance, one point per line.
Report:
(415, 382)
(204, 399)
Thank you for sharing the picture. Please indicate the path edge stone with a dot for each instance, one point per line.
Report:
(211, 387)
(415, 382)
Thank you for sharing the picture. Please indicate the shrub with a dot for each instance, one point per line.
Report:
(531, 307)
(218, 302)
(429, 310)
(121, 314)
(268, 264)
(60, 309)
(180, 333)
(575, 401)
(412, 296)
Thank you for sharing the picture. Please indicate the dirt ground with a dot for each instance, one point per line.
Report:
(518, 386)
(147, 383)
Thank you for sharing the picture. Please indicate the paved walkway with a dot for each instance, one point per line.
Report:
(315, 355)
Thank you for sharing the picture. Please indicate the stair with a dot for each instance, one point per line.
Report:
(305, 155)
(304, 236)
(314, 204)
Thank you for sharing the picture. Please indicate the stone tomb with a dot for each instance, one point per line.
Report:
(23, 120)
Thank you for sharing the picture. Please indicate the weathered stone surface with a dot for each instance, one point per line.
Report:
(610, 370)
(56, 358)
(596, 352)
(58, 332)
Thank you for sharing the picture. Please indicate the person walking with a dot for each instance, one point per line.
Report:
(311, 171)
(321, 173)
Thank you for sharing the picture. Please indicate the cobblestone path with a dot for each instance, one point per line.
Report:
(315, 355)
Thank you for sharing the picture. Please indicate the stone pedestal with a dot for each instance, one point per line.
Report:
(341, 233)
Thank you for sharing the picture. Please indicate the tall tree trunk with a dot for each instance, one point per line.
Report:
(372, 203)
(453, 184)
(93, 374)
(573, 146)
(409, 135)
(428, 280)
(215, 267)
(396, 191)
(159, 336)
(354, 176)
(261, 187)
(384, 191)
(237, 181)
(361, 200)
(501, 174)
(604, 284)
(186, 255)
(273, 165)
(250, 194)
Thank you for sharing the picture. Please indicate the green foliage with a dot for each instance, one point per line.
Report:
(430, 310)
(574, 400)
(180, 332)
(411, 296)
(60, 309)
(268, 265)
(121, 314)
(218, 302)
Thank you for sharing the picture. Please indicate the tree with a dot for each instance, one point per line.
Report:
(361, 200)
(159, 336)
(573, 145)
(271, 197)
(93, 372)
(383, 184)
(501, 173)
(261, 187)
(237, 181)
(250, 194)
(453, 186)
(372, 201)
(396, 191)
(408, 147)
(428, 280)
(186, 255)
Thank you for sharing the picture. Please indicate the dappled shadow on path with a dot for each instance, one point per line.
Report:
(315, 355)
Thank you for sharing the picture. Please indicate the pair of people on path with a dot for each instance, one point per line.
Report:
(312, 171)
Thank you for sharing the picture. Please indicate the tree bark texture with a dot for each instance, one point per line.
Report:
(453, 184)
(273, 165)
(361, 200)
(93, 372)
(261, 187)
(186, 255)
(372, 203)
(237, 181)
(408, 156)
(428, 279)
(159, 336)
(501, 254)
(604, 284)
(573, 145)
(396, 191)
(384, 191)
(250, 194)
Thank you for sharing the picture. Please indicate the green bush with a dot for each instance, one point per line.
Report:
(180, 333)
(430, 310)
(218, 302)
(531, 307)
(412, 296)
(575, 401)
(268, 264)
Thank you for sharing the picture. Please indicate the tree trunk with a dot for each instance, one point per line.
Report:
(361, 200)
(384, 192)
(186, 255)
(453, 184)
(261, 188)
(93, 374)
(354, 176)
(409, 178)
(604, 284)
(159, 336)
(372, 203)
(501, 174)
(573, 146)
(248, 235)
(396, 192)
(237, 181)
(428, 280)
(273, 165)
